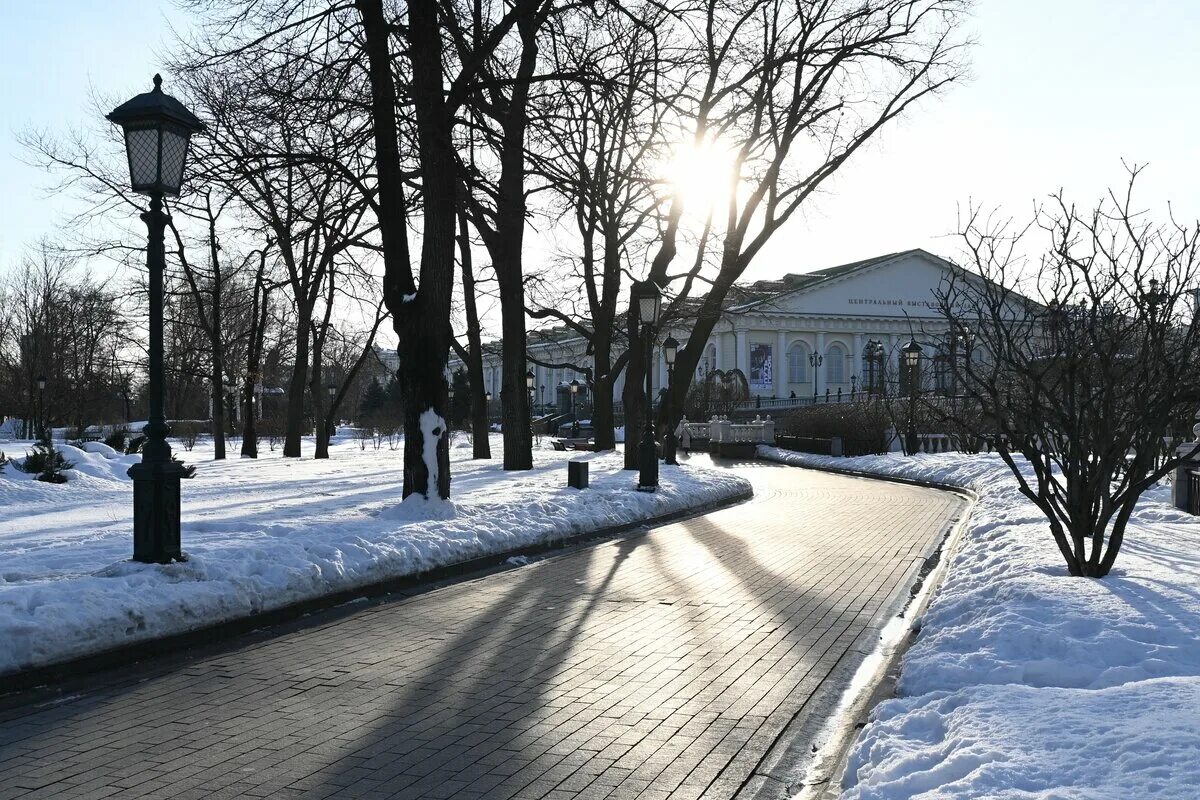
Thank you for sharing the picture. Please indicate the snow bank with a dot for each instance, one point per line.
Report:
(266, 533)
(1025, 682)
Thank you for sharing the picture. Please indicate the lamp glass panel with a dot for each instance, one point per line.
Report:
(142, 145)
(648, 310)
(174, 152)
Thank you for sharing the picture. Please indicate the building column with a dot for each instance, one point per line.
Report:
(780, 363)
(742, 356)
(857, 358)
(893, 367)
(719, 360)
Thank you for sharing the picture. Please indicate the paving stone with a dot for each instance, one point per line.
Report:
(658, 665)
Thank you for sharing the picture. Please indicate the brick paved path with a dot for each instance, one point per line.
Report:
(663, 665)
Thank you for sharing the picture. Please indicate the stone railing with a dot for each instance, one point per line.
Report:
(720, 429)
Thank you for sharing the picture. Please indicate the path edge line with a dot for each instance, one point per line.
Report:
(823, 778)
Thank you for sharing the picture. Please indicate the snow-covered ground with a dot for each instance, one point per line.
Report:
(262, 534)
(1027, 683)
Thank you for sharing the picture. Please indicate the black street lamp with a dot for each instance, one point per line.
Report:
(670, 350)
(157, 129)
(645, 298)
(530, 378)
(542, 399)
(912, 363)
(41, 409)
(487, 401)
(815, 360)
(574, 387)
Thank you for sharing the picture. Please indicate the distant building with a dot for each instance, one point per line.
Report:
(769, 329)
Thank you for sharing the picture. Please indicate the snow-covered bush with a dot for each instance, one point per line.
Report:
(1075, 364)
(188, 431)
(47, 463)
(118, 439)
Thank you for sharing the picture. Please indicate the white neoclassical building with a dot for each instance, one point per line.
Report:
(771, 329)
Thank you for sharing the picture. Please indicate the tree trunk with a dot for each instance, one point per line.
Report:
(602, 395)
(688, 358)
(320, 424)
(421, 318)
(254, 348)
(507, 261)
(296, 388)
(217, 378)
(481, 447)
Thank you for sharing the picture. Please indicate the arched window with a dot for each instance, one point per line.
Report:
(835, 364)
(708, 363)
(798, 364)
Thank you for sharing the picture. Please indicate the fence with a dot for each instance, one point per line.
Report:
(720, 430)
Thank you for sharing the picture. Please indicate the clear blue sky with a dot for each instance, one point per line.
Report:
(1061, 91)
(53, 55)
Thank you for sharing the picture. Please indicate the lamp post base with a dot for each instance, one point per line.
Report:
(648, 458)
(156, 526)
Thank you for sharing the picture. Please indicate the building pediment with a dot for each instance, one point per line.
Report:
(903, 285)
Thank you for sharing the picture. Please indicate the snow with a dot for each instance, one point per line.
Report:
(260, 534)
(1027, 683)
(432, 426)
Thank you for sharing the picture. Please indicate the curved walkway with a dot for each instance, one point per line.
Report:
(660, 665)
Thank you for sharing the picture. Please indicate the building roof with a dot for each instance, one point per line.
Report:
(741, 297)
(762, 291)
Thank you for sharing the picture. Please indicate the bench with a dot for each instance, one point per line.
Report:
(571, 444)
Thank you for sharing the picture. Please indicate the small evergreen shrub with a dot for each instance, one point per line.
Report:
(47, 463)
(3, 462)
(135, 445)
(118, 439)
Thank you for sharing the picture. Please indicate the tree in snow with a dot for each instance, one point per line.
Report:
(1083, 381)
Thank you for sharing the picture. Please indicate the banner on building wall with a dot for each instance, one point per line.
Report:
(762, 367)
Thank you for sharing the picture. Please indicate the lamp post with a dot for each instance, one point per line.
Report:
(542, 399)
(815, 360)
(157, 129)
(964, 342)
(574, 387)
(670, 350)
(331, 390)
(646, 299)
(41, 409)
(912, 363)
(487, 402)
(529, 380)
(874, 353)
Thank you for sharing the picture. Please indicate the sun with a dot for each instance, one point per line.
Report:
(700, 176)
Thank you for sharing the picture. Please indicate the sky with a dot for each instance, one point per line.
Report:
(1060, 92)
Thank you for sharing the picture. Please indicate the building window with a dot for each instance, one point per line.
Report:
(797, 364)
(709, 362)
(835, 364)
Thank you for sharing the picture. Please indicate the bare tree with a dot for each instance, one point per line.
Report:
(600, 133)
(792, 92)
(1082, 382)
